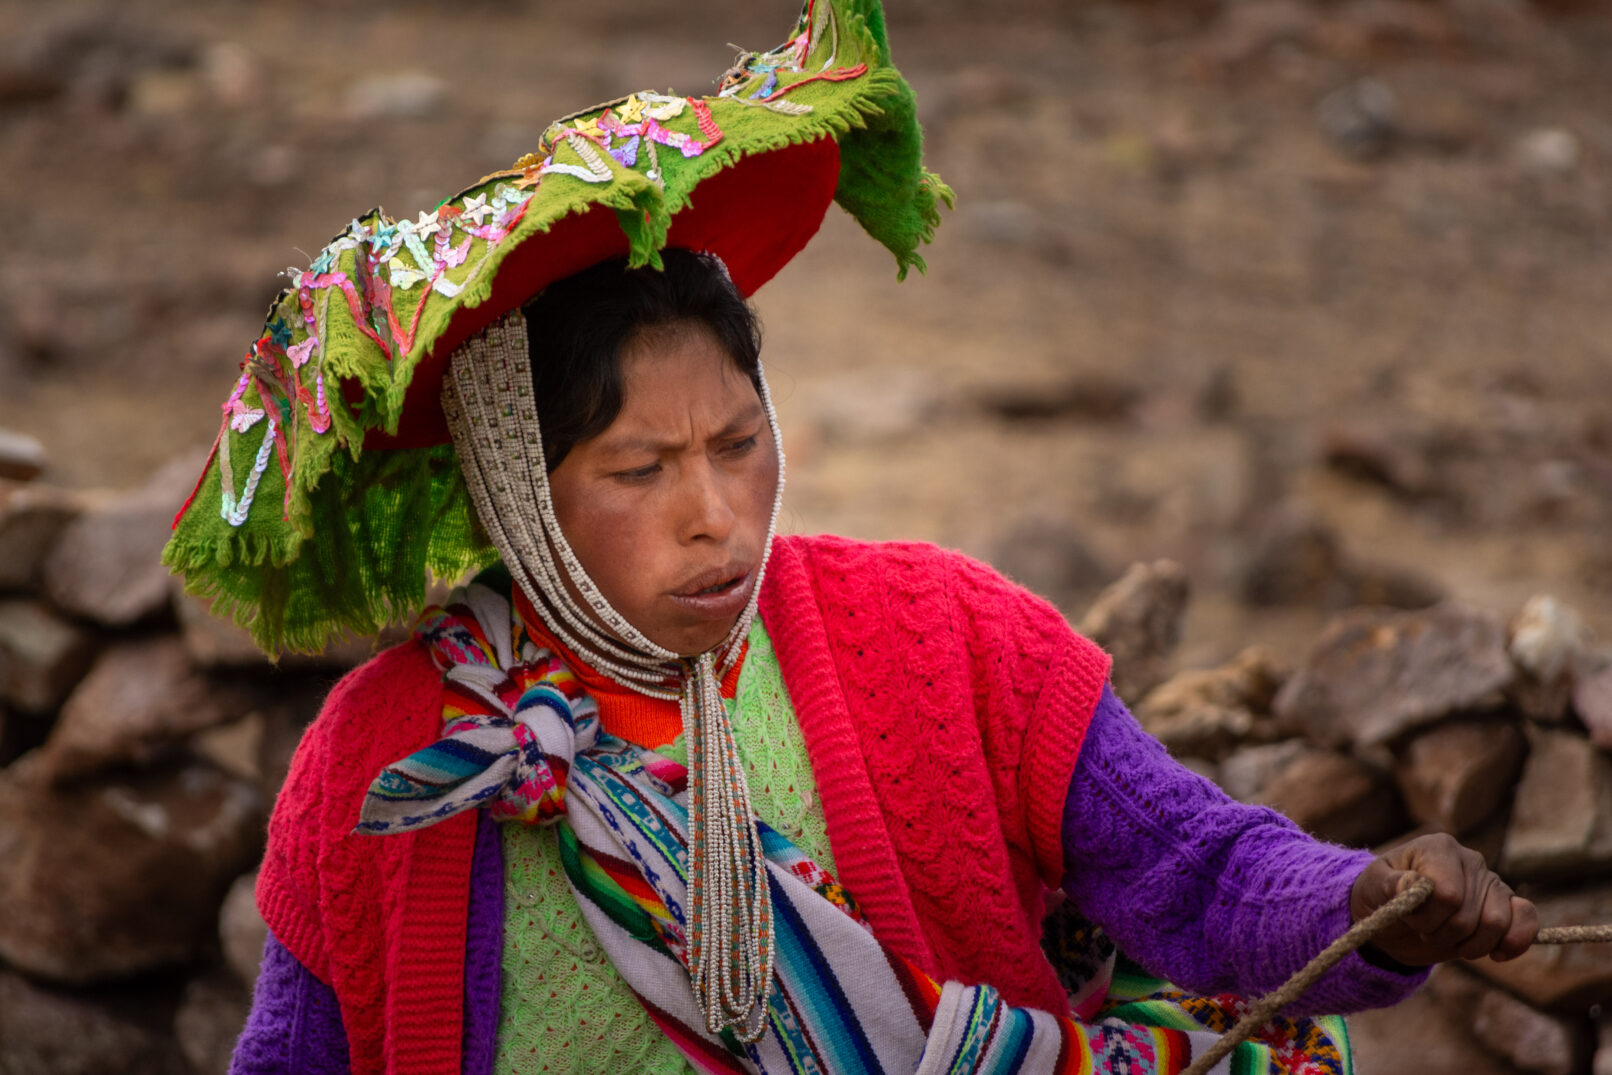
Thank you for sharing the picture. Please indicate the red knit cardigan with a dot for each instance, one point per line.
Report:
(942, 708)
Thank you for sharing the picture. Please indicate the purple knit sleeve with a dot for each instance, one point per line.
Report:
(295, 1023)
(484, 949)
(1211, 893)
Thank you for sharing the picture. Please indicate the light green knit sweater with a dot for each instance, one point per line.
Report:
(563, 1006)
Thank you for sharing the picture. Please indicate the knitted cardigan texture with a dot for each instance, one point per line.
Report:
(943, 710)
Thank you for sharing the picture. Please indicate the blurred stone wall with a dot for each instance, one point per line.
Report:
(142, 742)
(1494, 728)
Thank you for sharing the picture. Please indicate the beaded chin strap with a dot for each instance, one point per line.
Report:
(487, 398)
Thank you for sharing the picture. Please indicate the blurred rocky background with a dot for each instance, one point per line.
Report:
(1269, 338)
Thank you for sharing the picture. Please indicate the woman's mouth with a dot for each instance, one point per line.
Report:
(721, 598)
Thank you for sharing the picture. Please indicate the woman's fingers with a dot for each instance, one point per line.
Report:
(1494, 920)
(1522, 931)
(1447, 913)
(1460, 926)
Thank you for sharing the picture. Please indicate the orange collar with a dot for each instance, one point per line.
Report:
(623, 712)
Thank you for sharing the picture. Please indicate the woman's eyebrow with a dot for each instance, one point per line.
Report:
(738, 423)
(747, 417)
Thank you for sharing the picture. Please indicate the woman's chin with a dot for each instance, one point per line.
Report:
(690, 639)
(694, 643)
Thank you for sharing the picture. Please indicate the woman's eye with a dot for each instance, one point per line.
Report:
(740, 447)
(637, 474)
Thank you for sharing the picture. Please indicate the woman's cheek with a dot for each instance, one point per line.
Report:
(763, 487)
(605, 544)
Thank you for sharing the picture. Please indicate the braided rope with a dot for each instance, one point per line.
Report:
(1358, 934)
(1574, 935)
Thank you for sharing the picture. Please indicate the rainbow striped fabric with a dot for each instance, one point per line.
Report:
(522, 739)
(511, 711)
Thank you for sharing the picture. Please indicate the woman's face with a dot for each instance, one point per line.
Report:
(668, 508)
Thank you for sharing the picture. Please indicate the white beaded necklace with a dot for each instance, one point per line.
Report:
(487, 398)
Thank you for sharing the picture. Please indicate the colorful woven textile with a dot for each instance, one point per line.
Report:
(1167, 1015)
(1136, 1023)
(840, 1000)
(509, 711)
(301, 526)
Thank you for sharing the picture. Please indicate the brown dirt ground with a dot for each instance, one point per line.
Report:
(1152, 223)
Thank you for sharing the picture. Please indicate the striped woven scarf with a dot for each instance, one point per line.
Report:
(522, 739)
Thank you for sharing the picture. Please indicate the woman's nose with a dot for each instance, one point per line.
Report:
(708, 514)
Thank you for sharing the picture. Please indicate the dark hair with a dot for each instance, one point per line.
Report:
(577, 327)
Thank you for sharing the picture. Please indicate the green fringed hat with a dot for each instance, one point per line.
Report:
(332, 489)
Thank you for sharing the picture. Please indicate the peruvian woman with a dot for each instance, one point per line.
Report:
(657, 789)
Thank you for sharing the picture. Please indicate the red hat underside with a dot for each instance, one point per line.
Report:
(756, 215)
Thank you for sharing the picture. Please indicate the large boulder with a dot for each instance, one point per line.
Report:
(42, 656)
(19, 733)
(1385, 453)
(1296, 558)
(236, 747)
(139, 701)
(1044, 553)
(1336, 797)
(1551, 645)
(1456, 774)
(32, 517)
(1207, 713)
(212, 641)
(45, 1031)
(107, 565)
(1561, 826)
(109, 879)
(1374, 676)
(1535, 1041)
(1138, 621)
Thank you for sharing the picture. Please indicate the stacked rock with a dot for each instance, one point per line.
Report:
(141, 742)
(1446, 719)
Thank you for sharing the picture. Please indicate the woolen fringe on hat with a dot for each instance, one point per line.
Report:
(332, 490)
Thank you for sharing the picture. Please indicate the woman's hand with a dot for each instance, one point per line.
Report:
(1471, 912)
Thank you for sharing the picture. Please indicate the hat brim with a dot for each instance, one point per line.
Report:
(332, 491)
(755, 215)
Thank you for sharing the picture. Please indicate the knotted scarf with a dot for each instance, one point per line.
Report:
(522, 739)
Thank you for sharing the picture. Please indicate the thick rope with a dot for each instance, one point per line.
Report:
(1358, 934)
(1574, 935)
